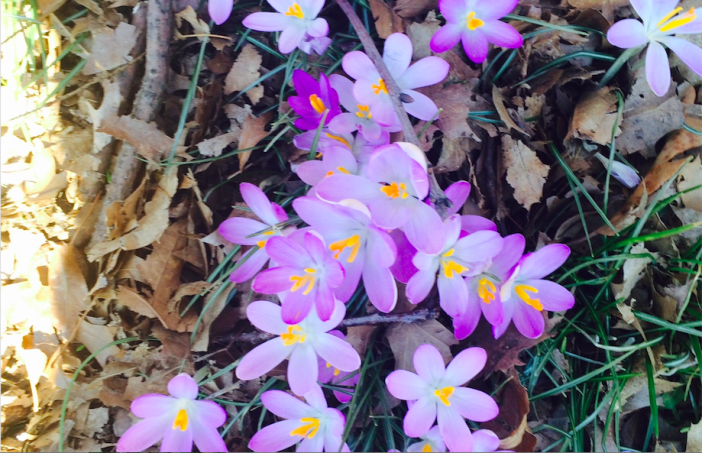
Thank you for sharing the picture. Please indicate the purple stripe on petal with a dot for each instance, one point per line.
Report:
(429, 364)
(446, 37)
(144, 434)
(152, 405)
(657, 69)
(627, 33)
(465, 366)
(275, 437)
(177, 440)
(284, 405)
(420, 417)
(454, 429)
(302, 369)
(262, 359)
(474, 404)
(183, 387)
(502, 34)
(405, 385)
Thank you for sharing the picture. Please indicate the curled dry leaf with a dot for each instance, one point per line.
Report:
(148, 140)
(499, 101)
(244, 72)
(411, 8)
(691, 176)
(404, 339)
(252, 132)
(110, 48)
(594, 117)
(213, 306)
(189, 15)
(525, 172)
(633, 271)
(387, 21)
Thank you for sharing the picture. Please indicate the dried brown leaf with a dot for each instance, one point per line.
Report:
(411, 8)
(499, 101)
(189, 15)
(358, 337)
(69, 290)
(213, 147)
(252, 132)
(691, 176)
(597, 4)
(404, 339)
(594, 117)
(110, 48)
(694, 437)
(135, 302)
(95, 337)
(244, 72)
(214, 309)
(387, 21)
(525, 172)
(642, 128)
(148, 140)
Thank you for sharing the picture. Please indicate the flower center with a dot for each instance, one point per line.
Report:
(340, 169)
(521, 291)
(486, 290)
(300, 281)
(380, 87)
(308, 429)
(451, 267)
(679, 21)
(338, 139)
(294, 335)
(181, 420)
(426, 448)
(317, 103)
(295, 11)
(353, 242)
(444, 394)
(364, 110)
(473, 22)
(395, 190)
(262, 244)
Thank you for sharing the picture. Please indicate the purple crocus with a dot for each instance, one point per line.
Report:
(296, 19)
(359, 117)
(312, 426)
(361, 148)
(525, 293)
(361, 247)
(313, 100)
(437, 392)
(300, 343)
(370, 88)
(179, 419)
(458, 193)
(469, 255)
(394, 190)
(238, 229)
(345, 380)
(306, 277)
(220, 10)
(661, 19)
(431, 441)
(476, 23)
(335, 159)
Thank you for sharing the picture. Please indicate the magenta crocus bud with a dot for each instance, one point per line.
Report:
(179, 419)
(370, 88)
(438, 393)
(459, 257)
(312, 426)
(300, 343)
(345, 380)
(361, 247)
(220, 10)
(476, 23)
(238, 229)
(525, 293)
(395, 186)
(313, 101)
(661, 20)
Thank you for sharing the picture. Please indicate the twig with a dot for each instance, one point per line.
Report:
(435, 193)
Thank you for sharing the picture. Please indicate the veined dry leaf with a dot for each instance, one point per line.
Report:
(95, 337)
(135, 302)
(244, 72)
(69, 291)
(212, 147)
(525, 172)
(387, 21)
(110, 48)
(112, 98)
(694, 438)
(404, 339)
(633, 271)
(594, 117)
(189, 15)
(358, 337)
(691, 176)
(641, 130)
(499, 101)
(148, 140)
(252, 132)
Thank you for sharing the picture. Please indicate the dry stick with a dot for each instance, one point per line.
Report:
(435, 193)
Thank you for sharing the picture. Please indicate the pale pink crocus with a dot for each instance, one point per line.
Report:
(179, 419)
(345, 381)
(300, 344)
(335, 159)
(661, 20)
(438, 393)
(359, 146)
(220, 10)
(313, 426)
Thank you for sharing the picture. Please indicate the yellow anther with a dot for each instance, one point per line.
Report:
(486, 290)
(294, 335)
(452, 267)
(380, 87)
(364, 111)
(353, 242)
(295, 11)
(317, 104)
(308, 429)
(680, 21)
(337, 372)
(339, 139)
(181, 420)
(444, 394)
(449, 253)
(395, 190)
(473, 22)
(300, 281)
(521, 291)
(262, 244)
(426, 448)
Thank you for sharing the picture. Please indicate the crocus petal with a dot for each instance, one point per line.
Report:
(297, 305)
(428, 363)
(473, 223)
(312, 7)
(543, 261)
(209, 413)
(249, 268)
(177, 440)
(465, 366)
(552, 296)
(419, 286)
(262, 359)
(502, 34)
(290, 38)
(314, 444)
(358, 66)
(493, 311)
(644, 8)
(454, 429)
(353, 271)
(485, 440)
(405, 385)
(420, 417)
(689, 53)
(371, 130)
(276, 280)
(280, 5)
(446, 37)
(382, 110)
(494, 10)
(324, 300)
(425, 72)
(475, 44)
(318, 28)
(338, 352)
(236, 229)
(259, 203)
(508, 310)
(528, 320)
(266, 22)
(144, 434)
(693, 27)
(627, 33)
(380, 286)
(465, 324)
(266, 316)
(207, 438)
(336, 317)
(457, 193)
(390, 213)
(344, 87)
(382, 250)
(661, 8)
(302, 369)
(403, 269)
(315, 397)
(452, 9)
(152, 405)
(397, 54)
(657, 69)
(425, 229)
(395, 163)
(421, 107)
(344, 124)
(453, 295)
(284, 405)
(474, 404)
(480, 245)
(512, 249)
(183, 387)
(339, 187)
(275, 437)
(220, 10)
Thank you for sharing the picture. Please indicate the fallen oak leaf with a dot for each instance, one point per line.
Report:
(148, 140)
(525, 171)
(244, 72)
(110, 48)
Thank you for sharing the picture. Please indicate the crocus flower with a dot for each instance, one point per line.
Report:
(458, 193)
(359, 117)
(237, 230)
(296, 19)
(370, 88)
(306, 277)
(361, 148)
(621, 172)
(220, 10)
(437, 392)
(661, 19)
(469, 255)
(179, 419)
(361, 247)
(334, 376)
(312, 426)
(335, 159)
(313, 100)
(431, 441)
(318, 44)
(525, 294)
(476, 23)
(395, 186)
(484, 288)
(300, 343)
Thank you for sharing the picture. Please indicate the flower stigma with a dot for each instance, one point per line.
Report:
(364, 111)
(521, 291)
(451, 267)
(262, 244)
(395, 191)
(679, 21)
(444, 394)
(380, 87)
(338, 139)
(340, 169)
(300, 281)
(181, 420)
(308, 429)
(473, 22)
(353, 242)
(486, 290)
(295, 11)
(317, 104)
(294, 335)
